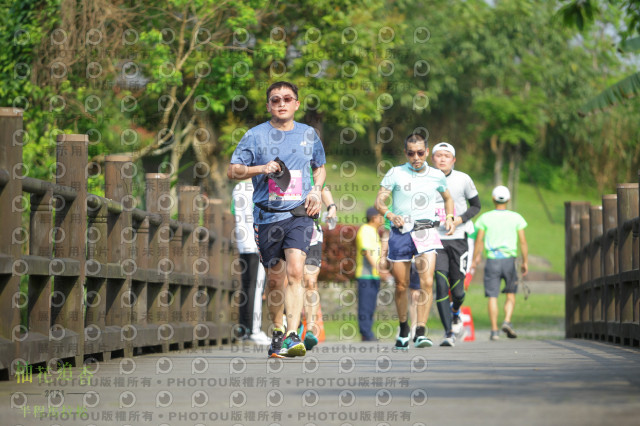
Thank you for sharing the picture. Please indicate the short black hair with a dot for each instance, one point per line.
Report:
(414, 138)
(371, 213)
(280, 85)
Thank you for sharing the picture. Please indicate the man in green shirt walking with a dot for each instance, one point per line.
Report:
(498, 234)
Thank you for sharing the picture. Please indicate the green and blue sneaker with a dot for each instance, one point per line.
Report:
(292, 346)
(402, 343)
(422, 342)
(310, 340)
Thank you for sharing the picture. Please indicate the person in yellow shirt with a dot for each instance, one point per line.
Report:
(367, 271)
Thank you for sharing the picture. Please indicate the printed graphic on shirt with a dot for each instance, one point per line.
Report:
(442, 214)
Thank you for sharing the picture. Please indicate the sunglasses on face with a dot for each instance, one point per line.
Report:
(412, 153)
(276, 100)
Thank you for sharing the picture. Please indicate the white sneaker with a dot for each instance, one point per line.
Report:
(457, 325)
(449, 340)
(260, 338)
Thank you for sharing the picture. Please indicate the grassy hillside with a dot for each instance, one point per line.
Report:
(355, 182)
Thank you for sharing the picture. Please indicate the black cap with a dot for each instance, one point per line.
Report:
(371, 212)
(281, 178)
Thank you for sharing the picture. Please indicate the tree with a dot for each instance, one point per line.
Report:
(582, 14)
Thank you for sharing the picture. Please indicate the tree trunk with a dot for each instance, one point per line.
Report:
(514, 173)
(376, 147)
(207, 151)
(313, 119)
(498, 149)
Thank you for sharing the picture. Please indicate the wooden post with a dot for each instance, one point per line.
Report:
(97, 340)
(175, 283)
(71, 228)
(158, 201)
(212, 282)
(35, 347)
(221, 308)
(585, 279)
(636, 239)
(636, 266)
(627, 210)
(118, 172)
(40, 223)
(595, 223)
(231, 283)
(140, 286)
(10, 250)
(609, 259)
(187, 213)
(574, 210)
(575, 278)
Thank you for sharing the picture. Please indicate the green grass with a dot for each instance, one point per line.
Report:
(541, 315)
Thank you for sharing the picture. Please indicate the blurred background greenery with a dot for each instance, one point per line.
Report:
(505, 81)
(536, 95)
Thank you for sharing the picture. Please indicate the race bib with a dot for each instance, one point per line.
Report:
(425, 240)
(293, 191)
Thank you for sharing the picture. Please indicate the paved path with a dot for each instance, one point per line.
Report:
(558, 382)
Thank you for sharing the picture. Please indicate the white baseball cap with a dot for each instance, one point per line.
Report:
(444, 146)
(501, 194)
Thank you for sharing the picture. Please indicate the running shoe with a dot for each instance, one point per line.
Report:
(422, 342)
(260, 338)
(292, 346)
(495, 335)
(449, 339)
(507, 327)
(456, 324)
(402, 343)
(310, 340)
(276, 344)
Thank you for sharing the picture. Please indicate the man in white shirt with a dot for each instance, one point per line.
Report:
(453, 258)
(250, 310)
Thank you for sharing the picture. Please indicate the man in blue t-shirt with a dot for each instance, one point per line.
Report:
(413, 188)
(283, 222)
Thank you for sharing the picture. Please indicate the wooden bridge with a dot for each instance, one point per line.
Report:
(111, 314)
(602, 268)
(88, 276)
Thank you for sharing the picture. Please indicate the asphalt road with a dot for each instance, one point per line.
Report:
(521, 381)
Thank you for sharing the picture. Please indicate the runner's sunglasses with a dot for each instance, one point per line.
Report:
(276, 100)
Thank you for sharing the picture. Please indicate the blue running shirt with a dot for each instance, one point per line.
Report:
(300, 149)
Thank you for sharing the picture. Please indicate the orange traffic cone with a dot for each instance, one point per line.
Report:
(467, 324)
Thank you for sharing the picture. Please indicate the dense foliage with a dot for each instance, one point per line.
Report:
(178, 84)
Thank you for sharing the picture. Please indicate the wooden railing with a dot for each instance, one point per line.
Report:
(602, 268)
(100, 277)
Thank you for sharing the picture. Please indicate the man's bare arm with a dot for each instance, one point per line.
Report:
(524, 249)
(449, 225)
(381, 206)
(313, 203)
